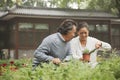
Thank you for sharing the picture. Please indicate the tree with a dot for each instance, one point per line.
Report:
(105, 5)
(74, 4)
(52, 3)
(42, 3)
(118, 6)
(6, 4)
(35, 3)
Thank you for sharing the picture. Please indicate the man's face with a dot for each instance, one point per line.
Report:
(83, 33)
(70, 34)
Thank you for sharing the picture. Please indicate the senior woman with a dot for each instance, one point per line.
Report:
(83, 41)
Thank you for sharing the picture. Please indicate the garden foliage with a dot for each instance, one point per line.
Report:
(107, 69)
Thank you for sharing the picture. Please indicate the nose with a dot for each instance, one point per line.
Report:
(83, 34)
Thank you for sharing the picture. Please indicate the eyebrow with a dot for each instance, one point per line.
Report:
(83, 32)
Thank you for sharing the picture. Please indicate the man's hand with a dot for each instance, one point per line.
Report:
(56, 61)
(98, 45)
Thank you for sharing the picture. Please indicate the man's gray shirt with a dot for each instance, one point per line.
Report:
(53, 46)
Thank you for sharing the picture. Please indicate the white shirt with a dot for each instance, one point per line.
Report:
(77, 48)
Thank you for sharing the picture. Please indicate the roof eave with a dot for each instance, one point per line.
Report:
(11, 16)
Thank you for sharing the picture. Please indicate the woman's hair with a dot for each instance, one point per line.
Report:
(66, 26)
(82, 25)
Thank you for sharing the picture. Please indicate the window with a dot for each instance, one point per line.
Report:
(99, 31)
(12, 27)
(31, 34)
(25, 26)
(115, 31)
(26, 38)
(91, 27)
(41, 26)
(102, 28)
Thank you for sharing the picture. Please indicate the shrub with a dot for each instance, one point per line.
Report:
(107, 69)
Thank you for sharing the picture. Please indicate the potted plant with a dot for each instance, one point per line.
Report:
(86, 54)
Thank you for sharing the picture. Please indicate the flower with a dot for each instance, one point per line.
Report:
(4, 65)
(11, 62)
(0, 73)
(24, 65)
(13, 68)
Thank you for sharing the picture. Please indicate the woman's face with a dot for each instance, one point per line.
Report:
(83, 33)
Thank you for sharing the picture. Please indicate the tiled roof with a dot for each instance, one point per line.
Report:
(2, 13)
(51, 12)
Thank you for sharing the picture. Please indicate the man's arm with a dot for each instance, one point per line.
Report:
(67, 58)
(41, 54)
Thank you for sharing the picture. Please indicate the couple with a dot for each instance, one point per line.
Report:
(61, 46)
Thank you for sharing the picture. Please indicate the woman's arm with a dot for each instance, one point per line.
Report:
(102, 45)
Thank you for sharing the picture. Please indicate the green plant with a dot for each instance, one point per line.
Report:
(107, 69)
(86, 51)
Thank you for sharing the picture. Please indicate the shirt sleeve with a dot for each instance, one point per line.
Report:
(43, 51)
(105, 45)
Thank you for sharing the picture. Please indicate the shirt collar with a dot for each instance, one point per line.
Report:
(61, 37)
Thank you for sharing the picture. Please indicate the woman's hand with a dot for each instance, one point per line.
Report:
(98, 45)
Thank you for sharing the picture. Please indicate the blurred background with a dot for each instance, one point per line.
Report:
(24, 23)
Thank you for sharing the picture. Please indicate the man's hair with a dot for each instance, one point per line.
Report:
(82, 25)
(66, 26)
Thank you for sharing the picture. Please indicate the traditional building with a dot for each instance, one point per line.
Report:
(23, 28)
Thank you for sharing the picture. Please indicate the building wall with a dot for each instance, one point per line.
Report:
(24, 37)
(115, 35)
(4, 32)
(27, 34)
